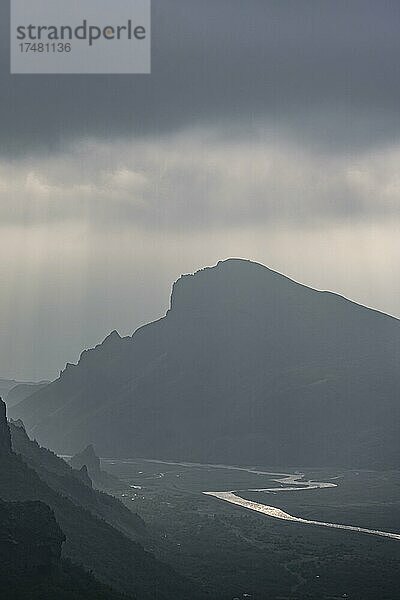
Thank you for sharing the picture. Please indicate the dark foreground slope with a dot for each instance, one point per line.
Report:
(247, 366)
(91, 541)
(30, 558)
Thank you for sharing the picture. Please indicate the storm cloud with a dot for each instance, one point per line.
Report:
(327, 72)
(199, 180)
(268, 129)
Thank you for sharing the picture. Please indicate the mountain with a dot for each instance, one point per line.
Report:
(247, 366)
(98, 529)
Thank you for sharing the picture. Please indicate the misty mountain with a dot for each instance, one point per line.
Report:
(13, 392)
(6, 385)
(20, 391)
(247, 366)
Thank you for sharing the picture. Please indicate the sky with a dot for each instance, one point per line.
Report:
(268, 130)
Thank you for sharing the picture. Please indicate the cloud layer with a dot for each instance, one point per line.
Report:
(268, 130)
(328, 72)
(91, 240)
(200, 180)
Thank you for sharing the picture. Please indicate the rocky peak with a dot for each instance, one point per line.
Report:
(88, 469)
(233, 281)
(87, 458)
(83, 475)
(112, 337)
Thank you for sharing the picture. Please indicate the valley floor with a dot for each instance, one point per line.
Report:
(232, 552)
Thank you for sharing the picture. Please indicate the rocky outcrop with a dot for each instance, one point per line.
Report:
(88, 459)
(18, 423)
(83, 475)
(5, 437)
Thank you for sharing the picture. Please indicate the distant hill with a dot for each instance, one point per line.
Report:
(13, 392)
(21, 391)
(99, 530)
(247, 366)
(6, 385)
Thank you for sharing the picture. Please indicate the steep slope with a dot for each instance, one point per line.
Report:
(247, 366)
(74, 485)
(112, 557)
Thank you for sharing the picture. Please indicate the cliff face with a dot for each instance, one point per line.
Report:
(5, 438)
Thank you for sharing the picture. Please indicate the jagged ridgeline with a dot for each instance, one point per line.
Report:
(55, 529)
(247, 366)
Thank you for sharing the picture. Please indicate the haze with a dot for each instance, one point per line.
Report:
(265, 133)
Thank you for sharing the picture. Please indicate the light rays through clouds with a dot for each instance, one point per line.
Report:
(267, 130)
(93, 238)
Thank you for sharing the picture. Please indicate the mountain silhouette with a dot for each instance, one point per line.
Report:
(247, 366)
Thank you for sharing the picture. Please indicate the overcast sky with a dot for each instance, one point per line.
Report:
(268, 130)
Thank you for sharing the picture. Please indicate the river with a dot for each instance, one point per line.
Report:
(293, 482)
